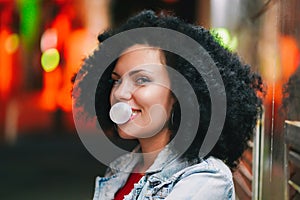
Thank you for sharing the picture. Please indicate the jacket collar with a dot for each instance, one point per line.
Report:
(127, 162)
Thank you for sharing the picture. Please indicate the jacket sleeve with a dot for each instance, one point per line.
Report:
(212, 185)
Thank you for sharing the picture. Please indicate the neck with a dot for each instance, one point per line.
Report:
(152, 146)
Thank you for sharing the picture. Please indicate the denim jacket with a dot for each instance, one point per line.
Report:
(169, 178)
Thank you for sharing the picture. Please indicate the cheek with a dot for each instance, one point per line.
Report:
(144, 97)
(152, 96)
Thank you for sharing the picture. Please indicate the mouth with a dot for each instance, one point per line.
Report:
(135, 113)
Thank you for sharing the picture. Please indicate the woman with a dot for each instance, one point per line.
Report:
(142, 77)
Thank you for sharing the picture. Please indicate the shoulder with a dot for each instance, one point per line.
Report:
(211, 165)
(209, 179)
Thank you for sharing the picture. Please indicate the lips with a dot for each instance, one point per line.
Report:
(135, 113)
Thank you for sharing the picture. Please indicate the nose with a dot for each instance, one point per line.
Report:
(123, 91)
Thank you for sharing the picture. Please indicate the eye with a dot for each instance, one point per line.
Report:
(142, 80)
(116, 82)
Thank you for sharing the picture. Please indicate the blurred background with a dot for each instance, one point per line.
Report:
(42, 44)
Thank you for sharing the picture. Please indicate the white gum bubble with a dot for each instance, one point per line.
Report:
(120, 113)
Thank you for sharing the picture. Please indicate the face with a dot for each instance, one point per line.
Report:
(141, 80)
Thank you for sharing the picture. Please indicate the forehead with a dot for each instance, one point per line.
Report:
(139, 57)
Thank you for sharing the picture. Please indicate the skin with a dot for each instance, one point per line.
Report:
(141, 80)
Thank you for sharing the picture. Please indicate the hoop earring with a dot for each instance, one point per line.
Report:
(171, 124)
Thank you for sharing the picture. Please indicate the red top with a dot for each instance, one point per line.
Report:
(132, 179)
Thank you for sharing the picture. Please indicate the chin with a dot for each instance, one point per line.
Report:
(125, 136)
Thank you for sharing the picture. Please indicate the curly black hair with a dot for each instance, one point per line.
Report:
(241, 86)
(291, 96)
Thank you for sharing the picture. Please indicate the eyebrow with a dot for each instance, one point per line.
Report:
(116, 74)
(132, 72)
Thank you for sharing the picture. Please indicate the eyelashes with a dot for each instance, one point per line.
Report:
(142, 80)
(115, 81)
(139, 81)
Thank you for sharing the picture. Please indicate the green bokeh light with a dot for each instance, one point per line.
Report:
(50, 60)
(29, 20)
(223, 36)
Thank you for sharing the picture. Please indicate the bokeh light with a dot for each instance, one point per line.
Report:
(29, 20)
(49, 39)
(225, 38)
(12, 43)
(50, 59)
